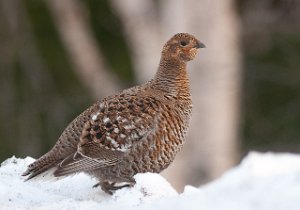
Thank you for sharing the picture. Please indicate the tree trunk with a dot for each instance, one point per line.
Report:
(71, 22)
(140, 20)
(20, 105)
(212, 144)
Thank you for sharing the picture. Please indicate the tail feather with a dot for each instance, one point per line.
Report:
(39, 166)
(65, 146)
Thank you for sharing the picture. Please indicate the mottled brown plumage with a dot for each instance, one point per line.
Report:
(138, 130)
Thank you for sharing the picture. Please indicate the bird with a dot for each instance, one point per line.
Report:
(138, 130)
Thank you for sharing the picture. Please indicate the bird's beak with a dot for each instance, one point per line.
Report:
(199, 45)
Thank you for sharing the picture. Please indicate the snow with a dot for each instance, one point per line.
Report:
(266, 181)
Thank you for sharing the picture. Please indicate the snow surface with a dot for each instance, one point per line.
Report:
(261, 182)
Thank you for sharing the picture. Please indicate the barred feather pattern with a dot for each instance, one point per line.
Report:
(155, 134)
(139, 130)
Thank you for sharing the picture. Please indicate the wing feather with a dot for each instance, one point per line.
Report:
(79, 162)
(111, 131)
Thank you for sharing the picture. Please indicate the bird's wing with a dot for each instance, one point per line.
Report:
(118, 124)
(95, 157)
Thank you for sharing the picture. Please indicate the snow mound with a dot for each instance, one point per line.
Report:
(261, 182)
(73, 192)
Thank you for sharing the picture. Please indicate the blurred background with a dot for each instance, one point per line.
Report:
(58, 57)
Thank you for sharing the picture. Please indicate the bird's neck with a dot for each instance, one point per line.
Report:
(172, 78)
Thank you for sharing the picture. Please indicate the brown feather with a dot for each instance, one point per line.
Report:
(138, 130)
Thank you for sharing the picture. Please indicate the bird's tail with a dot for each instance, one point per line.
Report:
(40, 166)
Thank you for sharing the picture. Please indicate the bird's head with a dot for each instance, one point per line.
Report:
(182, 46)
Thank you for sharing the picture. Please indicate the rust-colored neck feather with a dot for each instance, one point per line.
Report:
(172, 77)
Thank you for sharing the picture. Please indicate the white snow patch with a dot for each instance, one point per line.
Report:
(148, 187)
(261, 182)
(74, 192)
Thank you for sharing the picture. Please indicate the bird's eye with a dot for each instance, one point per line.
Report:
(183, 43)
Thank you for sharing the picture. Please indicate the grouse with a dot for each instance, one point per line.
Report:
(138, 130)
